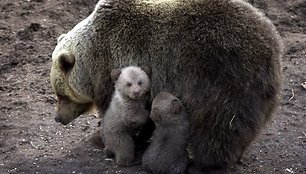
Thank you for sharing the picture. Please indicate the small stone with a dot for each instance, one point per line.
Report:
(304, 85)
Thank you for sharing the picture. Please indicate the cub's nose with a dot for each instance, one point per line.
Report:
(136, 94)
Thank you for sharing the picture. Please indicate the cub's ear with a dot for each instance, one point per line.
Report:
(176, 106)
(115, 74)
(66, 61)
(147, 70)
(60, 37)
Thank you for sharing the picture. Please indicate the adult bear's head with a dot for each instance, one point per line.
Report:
(71, 101)
(81, 63)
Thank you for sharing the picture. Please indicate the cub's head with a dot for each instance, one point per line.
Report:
(166, 107)
(132, 82)
(71, 103)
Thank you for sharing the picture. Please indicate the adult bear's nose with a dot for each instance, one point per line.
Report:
(57, 119)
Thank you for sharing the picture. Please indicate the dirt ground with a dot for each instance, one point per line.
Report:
(32, 142)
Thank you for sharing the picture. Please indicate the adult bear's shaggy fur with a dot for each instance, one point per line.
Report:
(221, 58)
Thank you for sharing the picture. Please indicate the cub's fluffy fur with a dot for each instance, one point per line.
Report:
(167, 152)
(126, 112)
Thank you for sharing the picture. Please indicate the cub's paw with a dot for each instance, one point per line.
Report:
(108, 153)
(125, 161)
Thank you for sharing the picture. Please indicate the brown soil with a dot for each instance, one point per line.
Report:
(32, 142)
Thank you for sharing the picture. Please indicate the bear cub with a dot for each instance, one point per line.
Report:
(127, 112)
(167, 153)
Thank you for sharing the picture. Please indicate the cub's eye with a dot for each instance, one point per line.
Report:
(140, 83)
(128, 84)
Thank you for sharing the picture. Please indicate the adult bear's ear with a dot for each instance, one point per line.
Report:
(147, 70)
(115, 74)
(176, 106)
(66, 61)
(105, 7)
(60, 37)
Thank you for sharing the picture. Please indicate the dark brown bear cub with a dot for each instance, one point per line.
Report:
(167, 152)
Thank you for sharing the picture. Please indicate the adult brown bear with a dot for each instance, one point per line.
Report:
(221, 58)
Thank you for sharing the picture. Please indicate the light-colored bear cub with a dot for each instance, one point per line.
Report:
(126, 112)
